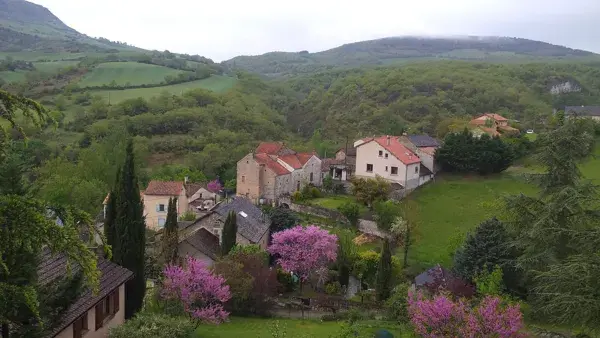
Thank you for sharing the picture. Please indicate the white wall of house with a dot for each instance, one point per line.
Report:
(154, 218)
(203, 194)
(102, 332)
(426, 159)
(368, 153)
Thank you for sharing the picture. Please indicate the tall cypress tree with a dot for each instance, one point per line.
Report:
(229, 233)
(171, 237)
(384, 272)
(125, 231)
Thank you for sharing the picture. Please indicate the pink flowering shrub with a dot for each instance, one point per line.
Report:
(214, 186)
(200, 292)
(304, 250)
(442, 317)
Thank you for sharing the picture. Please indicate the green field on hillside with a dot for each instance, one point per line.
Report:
(8, 76)
(42, 56)
(54, 66)
(215, 83)
(126, 73)
(262, 328)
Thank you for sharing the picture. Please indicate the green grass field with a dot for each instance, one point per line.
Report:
(123, 73)
(54, 66)
(295, 328)
(215, 83)
(334, 202)
(38, 56)
(9, 77)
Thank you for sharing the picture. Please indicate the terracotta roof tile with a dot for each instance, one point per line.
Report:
(269, 148)
(292, 160)
(496, 117)
(428, 150)
(304, 157)
(192, 188)
(164, 188)
(397, 149)
(272, 164)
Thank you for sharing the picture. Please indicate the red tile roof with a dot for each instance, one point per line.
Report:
(292, 160)
(397, 149)
(269, 148)
(271, 163)
(164, 188)
(428, 150)
(304, 157)
(496, 117)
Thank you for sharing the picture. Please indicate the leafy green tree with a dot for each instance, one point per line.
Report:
(386, 213)
(26, 229)
(125, 231)
(462, 152)
(351, 211)
(171, 237)
(229, 236)
(370, 190)
(282, 219)
(383, 286)
(12, 180)
(489, 283)
(328, 183)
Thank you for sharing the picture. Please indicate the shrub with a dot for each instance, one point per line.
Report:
(315, 192)
(286, 281)
(154, 325)
(297, 196)
(338, 189)
(351, 211)
(397, 305)
(334, 288)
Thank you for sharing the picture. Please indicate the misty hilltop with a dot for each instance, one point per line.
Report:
(402, 49)
(25, 26)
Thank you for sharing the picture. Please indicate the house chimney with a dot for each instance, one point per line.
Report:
(388, 140)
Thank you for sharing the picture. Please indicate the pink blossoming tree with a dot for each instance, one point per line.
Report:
(442, 317)
(214, 186)
(303, 250)
(200, 292)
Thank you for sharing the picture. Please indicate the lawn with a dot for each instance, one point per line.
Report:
(123, 73)
(8, 76)
(258, 328)
(454, 205)
(53, 66)
(334, 202)
(215, 83)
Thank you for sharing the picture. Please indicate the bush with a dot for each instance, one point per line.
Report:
(286, 281)
(351, 211)
(397, 305)
(334, 288)
(297, 196)
(154, 325)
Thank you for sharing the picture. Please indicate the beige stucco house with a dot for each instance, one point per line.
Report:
(492, 124)
(156, 201)
(387, 157)
(273, 170)
(252, 223)
(90, 316)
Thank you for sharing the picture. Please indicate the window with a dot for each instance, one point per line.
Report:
(298, 186)
(394, 171)
(386, 168)
(311, 177)
(416, 170)
(161, 222)
(200, 195)
(160, 208)
(107, 308)
(243, 179)
(380, 153)
(80, 326)
(386, 155)
(369, 168)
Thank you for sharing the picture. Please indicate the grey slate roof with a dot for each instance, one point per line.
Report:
(253, 226)
(423, 141)
(438, 278)
(205, 242)
(52, 267)
(583, 110)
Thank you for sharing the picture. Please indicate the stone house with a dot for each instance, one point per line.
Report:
(592, 112)
(91, 315)
(201, 245)
(424, 146)
(253, 225)
(273, 170)
(342, 166)
(387, 157)
(492, 124)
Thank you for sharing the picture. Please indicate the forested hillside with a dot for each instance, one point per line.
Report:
(419, 97)
(405, 49)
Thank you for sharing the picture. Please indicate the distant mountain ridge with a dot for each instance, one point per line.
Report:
(25, 26)
(402, 49)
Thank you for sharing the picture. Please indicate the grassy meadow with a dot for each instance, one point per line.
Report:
(123, 73)
(259, 328)
(215, 83)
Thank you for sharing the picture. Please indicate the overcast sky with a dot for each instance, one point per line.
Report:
(223, 29)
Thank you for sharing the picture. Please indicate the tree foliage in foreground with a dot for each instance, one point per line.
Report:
(26, 228)
(463, 153)
(370, 190)
(229, 236)
(170, 235)
(145, 325)
(383, 285)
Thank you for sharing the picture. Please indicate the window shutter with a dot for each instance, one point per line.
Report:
(99, 315)
(117, 300)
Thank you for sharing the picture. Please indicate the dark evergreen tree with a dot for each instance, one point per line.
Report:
(229, 233)
(384, 272)
(462, 152)
(126, 231)
(170, 236)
